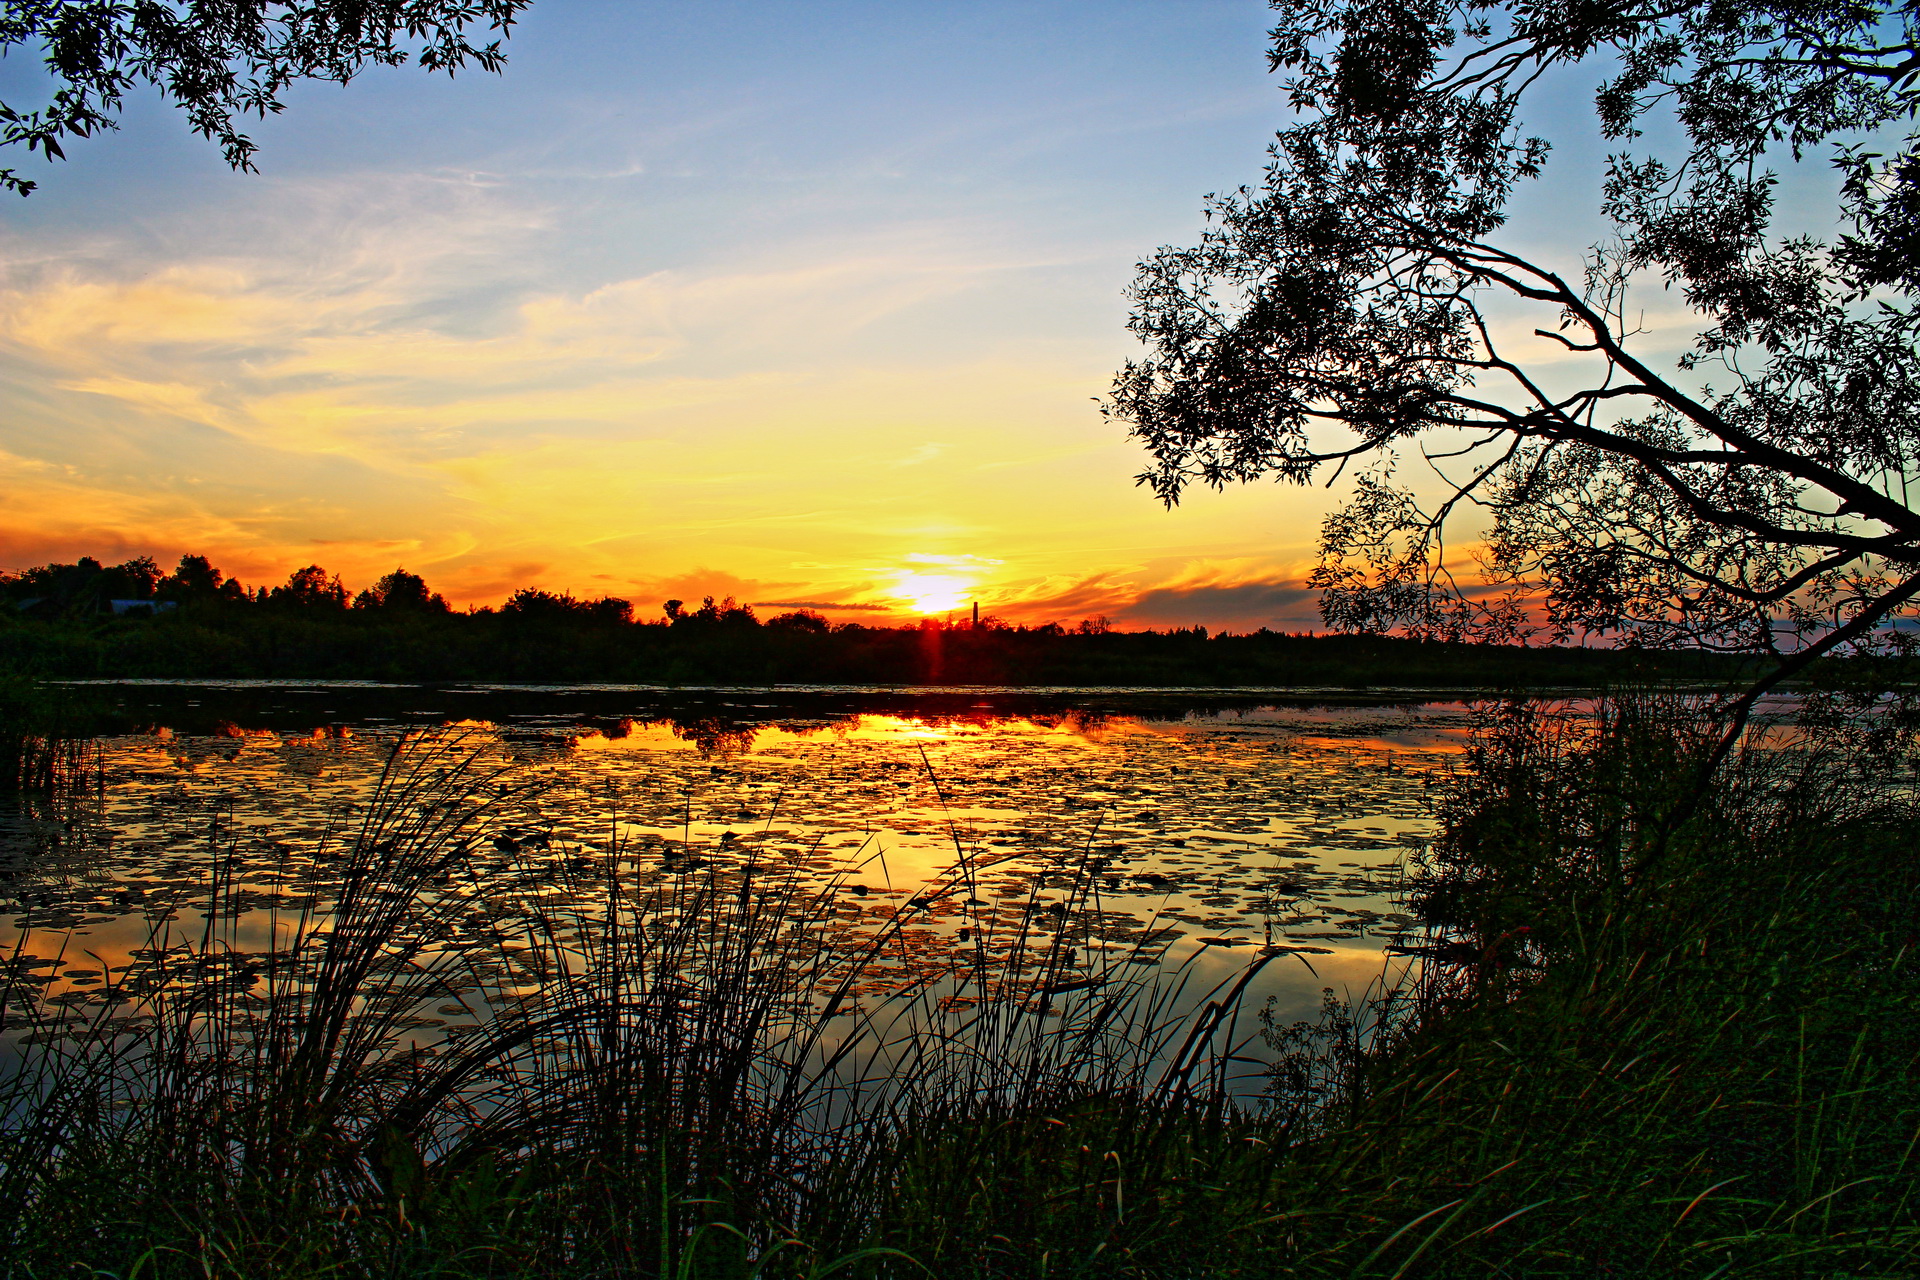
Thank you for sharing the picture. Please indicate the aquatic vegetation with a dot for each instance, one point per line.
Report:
(1234, 833)
(1698, 1060)
(44, 746)
(1650, 1033)
(636, 1060)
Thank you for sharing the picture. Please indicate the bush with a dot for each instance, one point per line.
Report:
(1700, 1057)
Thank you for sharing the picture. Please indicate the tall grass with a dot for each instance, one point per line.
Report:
(1655, 1033)
(44, 746)
(1702, 1056)
(690, 1067)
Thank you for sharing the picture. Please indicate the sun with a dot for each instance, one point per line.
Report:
(932, 593)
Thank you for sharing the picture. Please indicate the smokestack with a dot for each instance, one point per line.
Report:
(976, 615)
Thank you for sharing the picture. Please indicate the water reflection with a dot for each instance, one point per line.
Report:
(1208, 835)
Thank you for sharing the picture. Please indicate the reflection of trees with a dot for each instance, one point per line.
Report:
(1072, 719)
(712, 721)
(718, 734)
(714, 735)
(1079, 719)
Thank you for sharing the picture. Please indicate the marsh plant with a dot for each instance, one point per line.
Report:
(1655, 1027)
(470, 1047)
(1666, 1024)
(44, 746)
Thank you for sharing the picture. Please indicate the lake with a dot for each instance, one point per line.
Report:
(1173, 829)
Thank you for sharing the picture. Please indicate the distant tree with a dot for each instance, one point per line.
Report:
(195, 579)
(85, 586)
(58, 588)
(674, 609)
(609, 611)
(725, 613)
(135, 579)
(532, 604)
(802, 620)
(1096, 626)
(222, 60)
(311, 588)
(401, 592)
(1359, 308)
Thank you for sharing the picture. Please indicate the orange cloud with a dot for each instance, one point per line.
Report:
(332, 396)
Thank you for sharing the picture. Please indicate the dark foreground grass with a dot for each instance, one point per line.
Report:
(1717, 1072)
(1698, 1059)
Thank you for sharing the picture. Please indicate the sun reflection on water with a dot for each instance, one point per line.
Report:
(1226, 836)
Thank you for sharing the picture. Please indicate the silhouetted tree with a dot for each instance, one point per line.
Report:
(83, 587)
(802, 620)
(311, 588)
(135, 579)
(195, 580)
(609, 611)
(532, 604)
(220, 60)
(726, 613)
(401, 592)
(53, 588)
(1359, 306)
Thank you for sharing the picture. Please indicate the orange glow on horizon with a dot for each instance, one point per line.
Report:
(934, 593)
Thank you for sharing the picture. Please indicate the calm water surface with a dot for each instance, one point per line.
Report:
(1222, 827)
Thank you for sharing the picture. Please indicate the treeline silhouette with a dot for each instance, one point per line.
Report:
(130, 620)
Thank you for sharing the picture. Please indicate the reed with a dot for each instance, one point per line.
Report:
(1698, 1059)
(44, 747)
(703, 1067)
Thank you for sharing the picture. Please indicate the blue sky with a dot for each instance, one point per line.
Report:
(784, 301)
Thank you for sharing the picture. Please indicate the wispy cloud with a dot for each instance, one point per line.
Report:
(825, 606)
(662, 344)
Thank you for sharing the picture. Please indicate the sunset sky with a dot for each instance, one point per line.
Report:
(798, 303)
